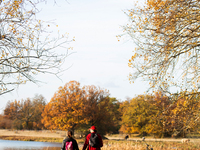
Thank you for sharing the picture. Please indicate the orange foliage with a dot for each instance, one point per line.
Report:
(25, 114)
(161, 115)
(65, 110)
(73, 107)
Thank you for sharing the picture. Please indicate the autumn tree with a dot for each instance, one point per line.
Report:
(115, 114)
(5, 123)
(66, 108)
(176, 116)
(77, 108)
(147, 114)
(183, 114)
(137, 114)
(101, 110)
(166, 35)
(31, 110)
(38, 103)
(12, 110)
(26, 113)
(26, 44)
(161, 115)
(159, 125)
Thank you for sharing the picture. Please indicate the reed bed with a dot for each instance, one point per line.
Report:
(132, 145)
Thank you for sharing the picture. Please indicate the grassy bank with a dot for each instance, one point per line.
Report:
(41, 136)
(29, 138)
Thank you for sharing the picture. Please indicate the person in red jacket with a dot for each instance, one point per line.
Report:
(88, 144)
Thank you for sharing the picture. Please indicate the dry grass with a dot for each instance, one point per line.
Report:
(130, 145)
(28, 138)
(116, 144)
(140, 145)
(32, 133)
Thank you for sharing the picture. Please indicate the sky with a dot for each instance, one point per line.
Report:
(97, 58)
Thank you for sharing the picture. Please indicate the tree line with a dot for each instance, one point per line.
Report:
(77, 108)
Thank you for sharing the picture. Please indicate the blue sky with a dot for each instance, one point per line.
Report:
(98, 57)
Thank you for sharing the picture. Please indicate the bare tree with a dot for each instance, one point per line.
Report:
(26, 46)
(166, 34)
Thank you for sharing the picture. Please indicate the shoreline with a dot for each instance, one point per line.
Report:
(32, 135)
(29, 138)
(54, 136)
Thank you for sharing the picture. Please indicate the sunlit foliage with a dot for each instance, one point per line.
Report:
(65, 110)
(77, 108)
(161, 115)
(137, 114)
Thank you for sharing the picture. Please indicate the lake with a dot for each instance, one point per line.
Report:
(28, 145)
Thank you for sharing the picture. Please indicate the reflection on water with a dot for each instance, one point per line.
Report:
(28, 145)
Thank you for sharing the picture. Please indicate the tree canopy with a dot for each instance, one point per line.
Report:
(65, 110)
(26, 113)
(75, 107)
(78, 108)
(159, 115)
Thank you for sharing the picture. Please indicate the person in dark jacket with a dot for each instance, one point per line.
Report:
(126, 137)
(87, 145)
(68, 139)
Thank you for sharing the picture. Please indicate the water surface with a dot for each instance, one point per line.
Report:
(28, 145)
